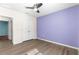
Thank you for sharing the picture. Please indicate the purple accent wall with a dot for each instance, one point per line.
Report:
(61, 26)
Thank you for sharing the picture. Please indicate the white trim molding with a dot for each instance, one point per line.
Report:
(78, 51)
(59, 43)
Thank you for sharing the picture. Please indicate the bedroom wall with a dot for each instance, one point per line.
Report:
(3, 28)
(61, 26)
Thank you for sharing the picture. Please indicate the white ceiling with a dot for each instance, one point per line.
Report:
(46, 8)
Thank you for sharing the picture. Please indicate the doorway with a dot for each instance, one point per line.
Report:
(5, 32)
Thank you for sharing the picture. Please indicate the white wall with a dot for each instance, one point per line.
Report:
(20, 24)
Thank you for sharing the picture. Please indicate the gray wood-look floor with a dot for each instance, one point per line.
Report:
(36, 47)
(5, 42)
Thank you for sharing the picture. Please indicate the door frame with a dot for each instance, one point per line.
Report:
(10, 26)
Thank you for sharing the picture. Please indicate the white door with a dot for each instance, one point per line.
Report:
(32, 28)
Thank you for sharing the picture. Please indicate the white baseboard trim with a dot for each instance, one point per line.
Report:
(59, 43)
(78, 51)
